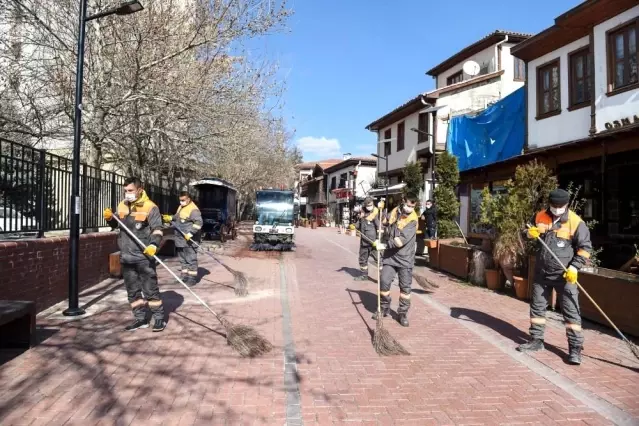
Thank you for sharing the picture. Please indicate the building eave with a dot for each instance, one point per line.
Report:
(370, 162)
(570, 26)
(478, 46)
(417, 103)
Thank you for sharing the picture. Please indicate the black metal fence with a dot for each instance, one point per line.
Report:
(35, 192)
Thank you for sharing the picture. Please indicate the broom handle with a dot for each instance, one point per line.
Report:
(461, 232)
(132, 235)
(379, 278)
(197, 247)
(543, 243)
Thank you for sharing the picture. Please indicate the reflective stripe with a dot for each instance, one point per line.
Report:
(155, 303)
(398, 242)
(404, 295)
(158, 232)
(538, 320)
(363, 268)
(184, 271)
(575, 327)
(138, 303)
(583, 253)
(194, 273)
(196, 226)
(384, 293)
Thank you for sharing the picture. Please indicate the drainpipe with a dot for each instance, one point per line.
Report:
(498, 46)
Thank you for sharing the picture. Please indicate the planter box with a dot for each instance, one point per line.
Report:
(616, 293)
(455, 260)
(433, 257)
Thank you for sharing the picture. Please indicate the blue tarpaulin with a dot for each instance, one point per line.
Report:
(495, 134)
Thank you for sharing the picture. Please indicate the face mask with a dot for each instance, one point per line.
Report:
(184, 203)
(369, 208)
(428, 206)
(558, 211)
(407, 210)
(130, 197)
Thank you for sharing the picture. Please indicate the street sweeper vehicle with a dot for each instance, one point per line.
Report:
(274, 229)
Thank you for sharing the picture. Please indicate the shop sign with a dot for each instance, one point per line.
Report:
(616, 124)
(342, 195)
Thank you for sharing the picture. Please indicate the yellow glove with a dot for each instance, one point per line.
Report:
(571, 275)
(150, 250)
(533, 232)
(188, 236)
(167, 218)
(108, 214)
(351, 227)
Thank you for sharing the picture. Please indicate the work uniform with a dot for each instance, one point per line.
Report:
(430, 217)
(569, 238)
(368, 227)
(142, 217)
(187, 219)
(398, 259)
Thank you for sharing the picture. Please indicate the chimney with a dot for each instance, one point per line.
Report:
(347, 156)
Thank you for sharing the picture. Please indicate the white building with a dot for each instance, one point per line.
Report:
(417, 129)
(351, 178)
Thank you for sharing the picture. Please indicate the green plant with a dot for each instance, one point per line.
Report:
(509, 212)
(413, 178)
(445, 197)
(576, 204)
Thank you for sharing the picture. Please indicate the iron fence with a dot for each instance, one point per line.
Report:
(35, 192)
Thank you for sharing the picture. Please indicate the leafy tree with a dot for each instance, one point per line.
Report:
(413, 178)
(445, 197)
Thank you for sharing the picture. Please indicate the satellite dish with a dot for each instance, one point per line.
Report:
(471, 68)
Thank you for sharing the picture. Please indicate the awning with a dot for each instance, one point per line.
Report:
(392, 190)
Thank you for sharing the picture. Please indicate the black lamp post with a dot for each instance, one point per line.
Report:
(126, 8)
(434, 157)
(385, 158)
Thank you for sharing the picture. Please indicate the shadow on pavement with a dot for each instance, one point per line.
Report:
(353, 272)
(369, 301)
(171, 300)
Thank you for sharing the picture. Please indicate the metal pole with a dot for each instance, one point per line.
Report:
(387, 182)
(74, 235)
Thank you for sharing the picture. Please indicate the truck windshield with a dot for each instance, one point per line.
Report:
(274, 207)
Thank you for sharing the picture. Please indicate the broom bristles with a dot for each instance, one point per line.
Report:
(634, 349)
(245, 340)
(241, 284)
(424, 282)
(384, 343)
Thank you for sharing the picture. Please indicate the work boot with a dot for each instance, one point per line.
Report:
(361, 278)
(403, 320)
(574, 355)
(136, 324)
(385, 313)
(532, 346)
(159, 325)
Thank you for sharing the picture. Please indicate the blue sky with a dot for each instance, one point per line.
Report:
(348, 62)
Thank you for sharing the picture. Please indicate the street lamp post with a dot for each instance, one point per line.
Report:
(385, 158)
(126, 8)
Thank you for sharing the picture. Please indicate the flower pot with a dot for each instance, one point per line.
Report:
(432, 244)
(521, 287)
(493, 281)
(313, 225)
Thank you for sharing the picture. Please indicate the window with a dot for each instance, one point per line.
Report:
(519, 67)
(387, 145)
(458, 77)
(342, 180)
(548, 90)
(580, 71)
(622, 54)
(422, 126)
(333, 182)
(400, 136)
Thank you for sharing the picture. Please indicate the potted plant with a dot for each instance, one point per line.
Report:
(447, 207)
(506, 214)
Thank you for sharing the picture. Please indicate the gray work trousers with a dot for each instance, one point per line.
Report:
(405, 281)
(188, 261)
(542, 289)
(141, 281)
(366, 252)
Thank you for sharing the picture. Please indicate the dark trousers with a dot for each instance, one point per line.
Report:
(430, 233)
(188, 261)
(141, 281)
(366, 252)
(405, 281)
(569, 293)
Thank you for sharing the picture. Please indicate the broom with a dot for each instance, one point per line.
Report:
(383, 342)
(244, 339)
(241, 282)
(632, 346)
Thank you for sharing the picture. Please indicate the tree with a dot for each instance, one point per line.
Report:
(413, 178)
(445, 197)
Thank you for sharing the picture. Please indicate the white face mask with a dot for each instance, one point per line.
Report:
(428, 206)
(184, 203)
(130, 197)
(369, 208)
(407, 209)
(557, 211)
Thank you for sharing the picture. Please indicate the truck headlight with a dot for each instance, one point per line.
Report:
(289, 230)
(258, 229)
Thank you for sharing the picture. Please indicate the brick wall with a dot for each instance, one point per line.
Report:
(37, 270)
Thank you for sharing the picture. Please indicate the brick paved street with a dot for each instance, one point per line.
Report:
(323, 369)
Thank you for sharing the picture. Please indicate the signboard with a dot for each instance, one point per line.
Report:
(627, 121)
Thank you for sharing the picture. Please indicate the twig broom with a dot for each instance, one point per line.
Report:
(632, 346)
(383, 342)
(241, 282)
(244, 339)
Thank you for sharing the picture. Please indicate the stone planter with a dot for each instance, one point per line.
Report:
(616, 293)
(455, 260)
(521, 287)
(493, 279)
